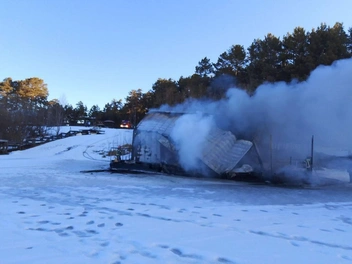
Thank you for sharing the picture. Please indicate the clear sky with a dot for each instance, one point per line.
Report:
(98, 50)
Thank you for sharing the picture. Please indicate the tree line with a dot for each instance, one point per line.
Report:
(25, 109)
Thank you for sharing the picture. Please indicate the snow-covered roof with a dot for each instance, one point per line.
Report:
(159, 122)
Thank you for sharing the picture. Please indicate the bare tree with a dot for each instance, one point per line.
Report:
(56, 115)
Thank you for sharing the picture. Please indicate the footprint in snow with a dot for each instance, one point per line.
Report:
(163, 246)
(84, 213)
(345, 257)
(92, 231)
(225, 260)
(104, 244)
(63, 234)
(145, 215)
(179, 253)
(294, 244)
(341, 230)
(325, 230)
(43, 222)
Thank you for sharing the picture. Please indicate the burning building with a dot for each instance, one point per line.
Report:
(210, 152)
(279, 120)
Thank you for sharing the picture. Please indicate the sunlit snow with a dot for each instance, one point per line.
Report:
(51, 212)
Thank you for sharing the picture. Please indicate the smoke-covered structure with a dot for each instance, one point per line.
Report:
(206, 150)
(270, 132)
(280, 118)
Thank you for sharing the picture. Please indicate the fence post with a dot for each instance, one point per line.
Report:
(311, 154)
(271, 154)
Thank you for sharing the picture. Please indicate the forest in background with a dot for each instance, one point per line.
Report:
(25, 109)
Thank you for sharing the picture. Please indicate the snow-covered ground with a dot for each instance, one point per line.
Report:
(51, 212)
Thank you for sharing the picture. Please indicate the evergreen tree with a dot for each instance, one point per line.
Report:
(112, 111)
(205, 68)
(231, 62)
(298, 60)
(266, 61)
(195, 86)
(327, 45)
(165, 92)
(349, 41)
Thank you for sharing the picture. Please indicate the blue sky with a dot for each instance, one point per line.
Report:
(95, 51)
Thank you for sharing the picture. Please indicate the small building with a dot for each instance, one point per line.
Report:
(109, 123)
(3, 146)
(221, 152)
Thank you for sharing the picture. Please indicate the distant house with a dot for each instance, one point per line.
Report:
(109, 123)
(3, 146)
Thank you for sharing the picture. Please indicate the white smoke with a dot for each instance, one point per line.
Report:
(290, 113)
(188, 134)
(321, 106)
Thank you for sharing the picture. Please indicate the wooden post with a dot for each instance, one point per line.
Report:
(271, 154)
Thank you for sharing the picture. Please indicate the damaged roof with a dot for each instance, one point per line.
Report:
(221, 150)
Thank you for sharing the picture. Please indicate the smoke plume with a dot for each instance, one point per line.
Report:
(196, 127)
(289, 113)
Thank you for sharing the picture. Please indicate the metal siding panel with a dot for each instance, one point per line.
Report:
(223, 152)
(149, 147)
